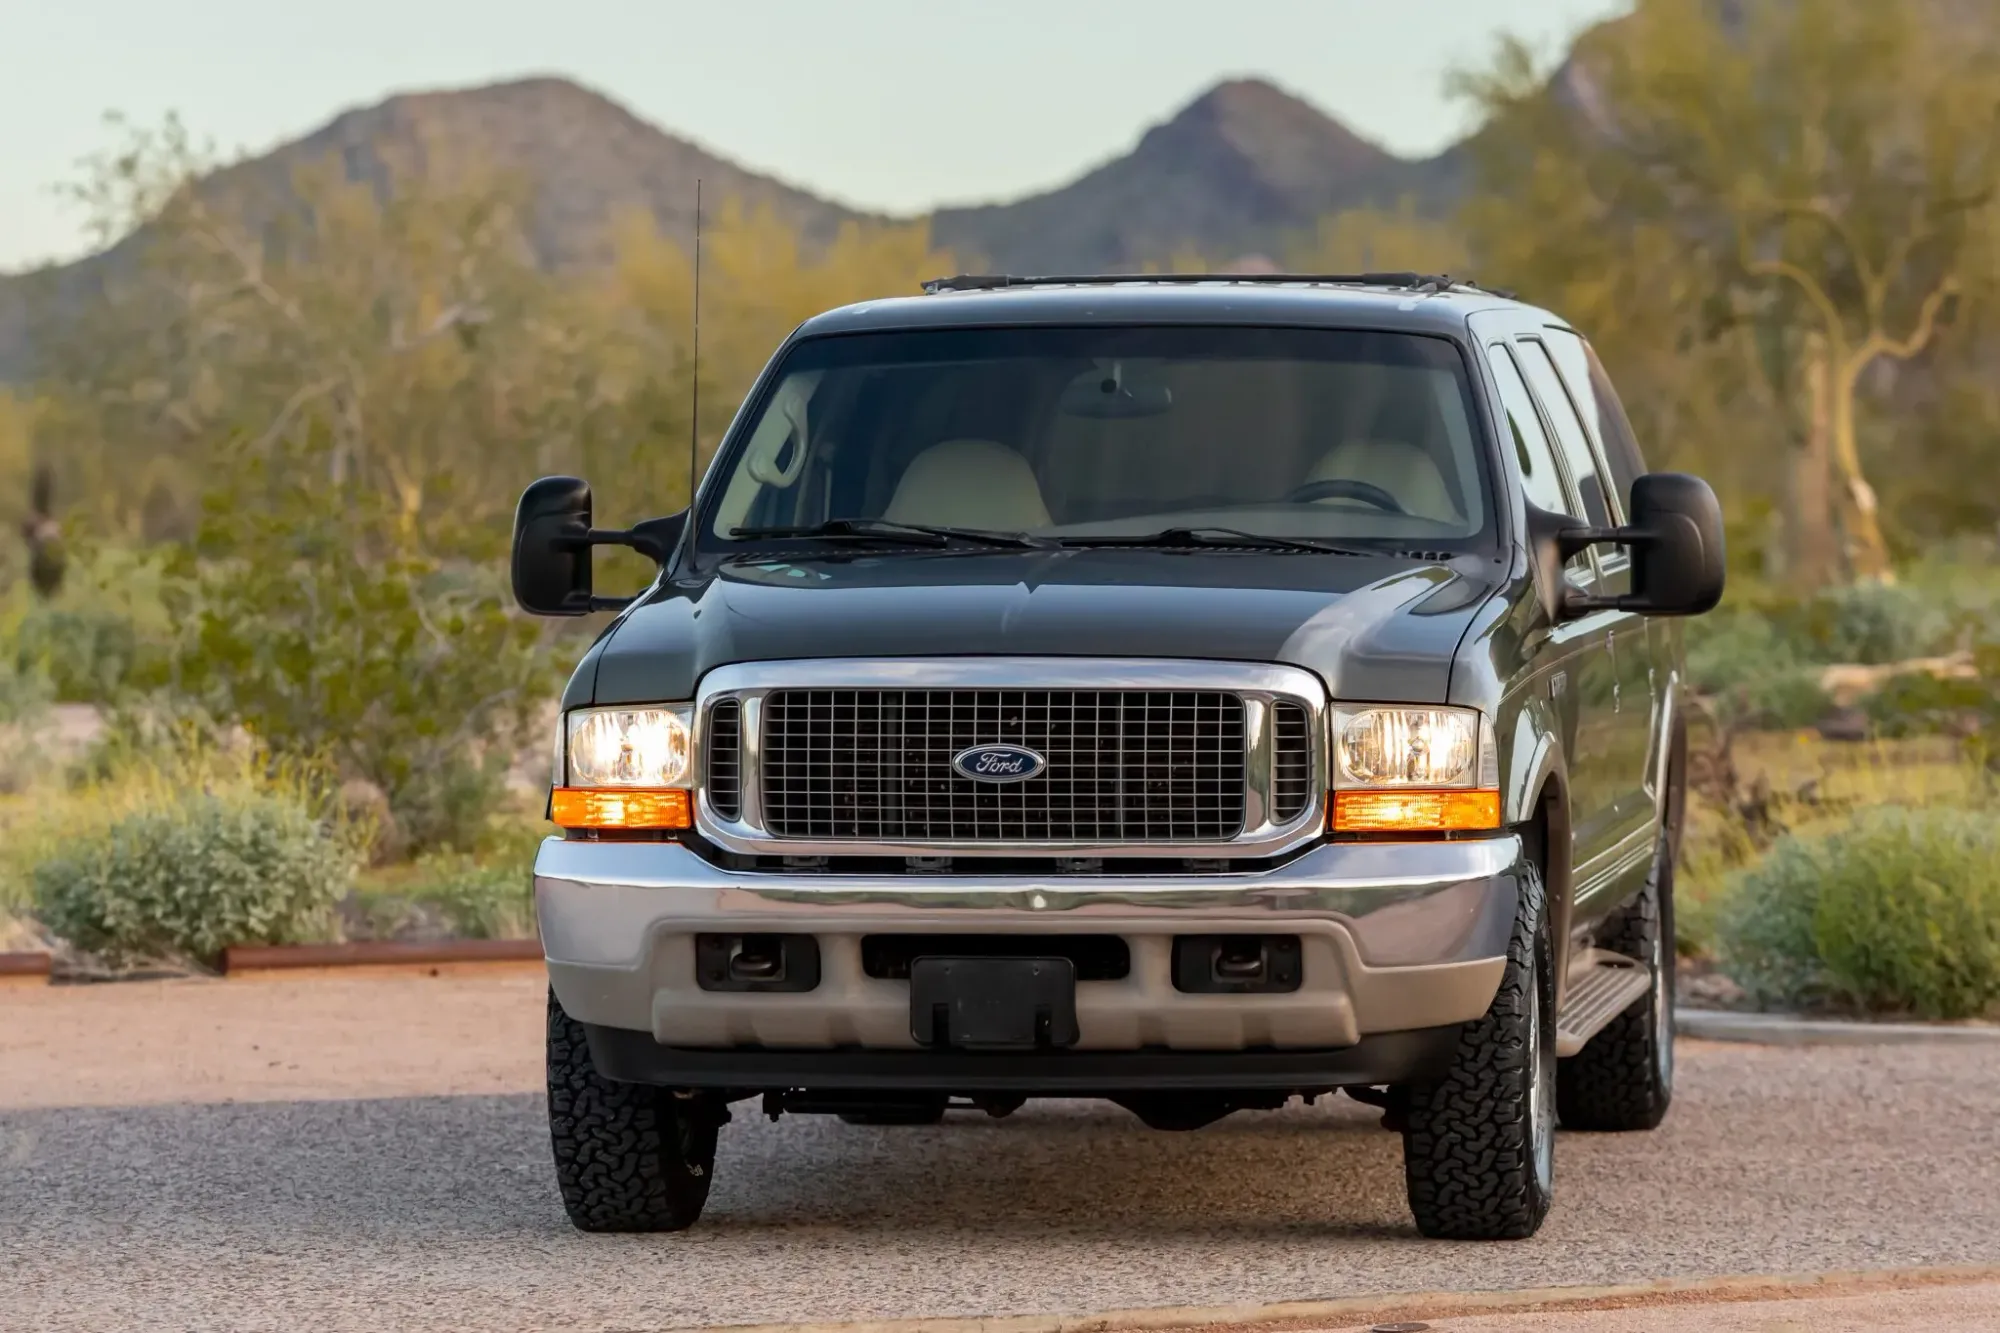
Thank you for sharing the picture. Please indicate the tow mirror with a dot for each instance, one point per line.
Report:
(1677, 567)
(1675, 537)
(552, 543)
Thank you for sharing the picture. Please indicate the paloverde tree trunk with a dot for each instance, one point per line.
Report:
(1841, 352)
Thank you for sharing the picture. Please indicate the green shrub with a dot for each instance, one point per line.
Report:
(107, 633)
(1782, 701)
(1920, 704)
(1763, 924)
(1899, 911)
(332, 633)
(1731, 648)
(1876, 622)
(86, 654)
(191, 877)
(478, 900)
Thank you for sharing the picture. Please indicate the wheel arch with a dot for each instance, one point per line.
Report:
(1536, 801)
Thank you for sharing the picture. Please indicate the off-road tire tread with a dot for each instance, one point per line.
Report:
(628, 1157)
(1613, 1084)
(1467, 1143)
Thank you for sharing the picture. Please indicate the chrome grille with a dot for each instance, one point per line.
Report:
(1124, 766)
(724, 751)
(1291, 761)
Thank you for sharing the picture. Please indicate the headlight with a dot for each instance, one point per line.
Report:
(624, 768)
(629, 747)
(1417, 770)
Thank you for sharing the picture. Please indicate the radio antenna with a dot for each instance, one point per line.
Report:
(694, 401)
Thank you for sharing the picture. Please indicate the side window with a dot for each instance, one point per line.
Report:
(1541, 480)
(1591, 387)
(1570, 435)
(1539, 477)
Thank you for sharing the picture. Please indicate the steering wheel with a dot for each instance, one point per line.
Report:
(1345, 488)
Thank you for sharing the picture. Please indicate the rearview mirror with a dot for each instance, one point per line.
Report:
(1675, 537)
(552, 543)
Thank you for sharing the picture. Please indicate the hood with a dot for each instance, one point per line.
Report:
(1382, 628)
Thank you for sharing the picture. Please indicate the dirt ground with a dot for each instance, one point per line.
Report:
(282, 1038)
(1967, 1306)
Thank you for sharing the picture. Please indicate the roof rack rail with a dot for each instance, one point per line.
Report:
(1428, 283)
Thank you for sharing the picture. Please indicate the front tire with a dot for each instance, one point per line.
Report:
(1479, 1143)
(1623, 1078)
(629, 1157)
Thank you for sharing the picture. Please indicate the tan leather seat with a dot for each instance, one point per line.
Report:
(969, 484)
(1405, 470)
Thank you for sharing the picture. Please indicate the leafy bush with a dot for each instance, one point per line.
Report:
(1732, 647)
(484, 893)
(1899, 911)
(1875, 622)
(1920, 705)
(480, 900)
(195, 874)
(1783, 701)
(107, 633)
(331, 634)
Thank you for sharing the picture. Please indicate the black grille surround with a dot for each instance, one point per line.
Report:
(1123, 766)
(723, 752)
(1291, 761)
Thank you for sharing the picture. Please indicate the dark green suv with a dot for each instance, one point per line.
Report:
(1196, 693)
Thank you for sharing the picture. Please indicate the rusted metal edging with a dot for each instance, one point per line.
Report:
(402, 955)
(25, 968)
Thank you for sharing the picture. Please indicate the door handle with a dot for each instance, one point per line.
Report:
(1558, 682)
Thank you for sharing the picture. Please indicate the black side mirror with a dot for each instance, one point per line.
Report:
(552, 542)
(1675, 537)
(1677, 566)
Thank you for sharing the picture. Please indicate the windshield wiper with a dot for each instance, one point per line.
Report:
(1194, 539)
(877, 529)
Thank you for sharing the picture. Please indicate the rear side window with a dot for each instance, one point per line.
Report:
(1591, 387)
(1532, 452)
(1570, 435)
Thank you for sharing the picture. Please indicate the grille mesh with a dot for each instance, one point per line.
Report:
(1123, 765)
(1291, 762)
(724, 749)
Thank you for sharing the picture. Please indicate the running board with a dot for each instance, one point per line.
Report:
(1602, 985)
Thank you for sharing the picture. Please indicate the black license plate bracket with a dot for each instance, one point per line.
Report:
(993, 1004)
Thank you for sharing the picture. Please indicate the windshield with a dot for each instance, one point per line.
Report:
(1081, 433)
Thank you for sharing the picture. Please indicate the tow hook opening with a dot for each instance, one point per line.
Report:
(756, 962)
(1237, 964)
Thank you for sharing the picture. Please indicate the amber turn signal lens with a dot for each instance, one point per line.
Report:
(609, 807)
(1415, 811)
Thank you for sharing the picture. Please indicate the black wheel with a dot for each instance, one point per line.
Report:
(628, 1157)
(1623, 1078)
(1479, 1144)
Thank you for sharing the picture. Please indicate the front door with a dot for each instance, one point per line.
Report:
(1574, 662)
(1626, 669)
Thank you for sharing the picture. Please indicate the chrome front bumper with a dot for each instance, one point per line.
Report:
(1395, 936)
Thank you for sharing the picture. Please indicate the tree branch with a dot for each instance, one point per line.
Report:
(1879, 344)
(1872, 278)
(1787, 271)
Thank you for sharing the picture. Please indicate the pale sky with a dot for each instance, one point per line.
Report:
(890, 105)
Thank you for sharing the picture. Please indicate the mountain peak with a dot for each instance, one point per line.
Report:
(1241, 168)
(1285, 144)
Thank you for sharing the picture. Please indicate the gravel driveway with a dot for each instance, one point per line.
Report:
(132, 1194)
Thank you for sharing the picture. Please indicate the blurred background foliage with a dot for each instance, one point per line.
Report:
(285, 437)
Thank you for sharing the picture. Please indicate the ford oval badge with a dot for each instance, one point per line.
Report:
(998, 763)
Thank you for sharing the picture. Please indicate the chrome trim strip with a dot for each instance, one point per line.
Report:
(1258, 683)
(1350, 878)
